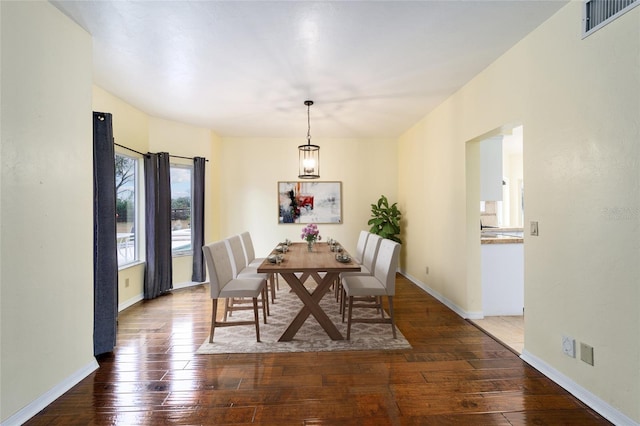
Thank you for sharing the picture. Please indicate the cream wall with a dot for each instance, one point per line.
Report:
(46, 285)
(579, 102)
(252, 168)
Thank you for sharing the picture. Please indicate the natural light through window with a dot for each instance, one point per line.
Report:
(126, 209)
(181, 179)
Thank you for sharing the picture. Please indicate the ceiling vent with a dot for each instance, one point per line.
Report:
(598, 13)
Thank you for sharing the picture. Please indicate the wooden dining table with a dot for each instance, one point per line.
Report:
(298, 264)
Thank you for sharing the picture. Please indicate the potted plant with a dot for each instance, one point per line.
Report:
(385, 220)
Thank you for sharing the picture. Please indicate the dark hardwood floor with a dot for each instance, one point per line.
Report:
(454, 375)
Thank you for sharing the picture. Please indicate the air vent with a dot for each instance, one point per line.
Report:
(598, 13)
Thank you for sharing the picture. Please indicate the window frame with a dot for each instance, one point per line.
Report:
(189, 252)
(138, 234)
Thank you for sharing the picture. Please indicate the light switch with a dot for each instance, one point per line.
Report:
(534, 228)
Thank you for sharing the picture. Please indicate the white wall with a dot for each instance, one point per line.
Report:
(252, 168)
(579, 102)
(46, 203)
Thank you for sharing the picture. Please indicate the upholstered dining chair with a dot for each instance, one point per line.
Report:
(253, 261)
(362, 242)
(365, 291)
(241, 270)
(357, 256)
(240, 264)
(223, 285)
(369, 256)
(367, 266)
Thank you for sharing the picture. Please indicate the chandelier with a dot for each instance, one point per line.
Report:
(309, 155)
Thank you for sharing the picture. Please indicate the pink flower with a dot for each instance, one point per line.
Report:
(310, 233)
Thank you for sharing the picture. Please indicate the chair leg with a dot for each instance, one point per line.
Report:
(228, 307)
(214, 311)
(265, 302)
(349, 318)
(343, 303)
(393, 321)
(379, 302)
(272, 284)
(255, 317)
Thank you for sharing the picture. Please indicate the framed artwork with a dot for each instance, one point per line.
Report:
(309, 202)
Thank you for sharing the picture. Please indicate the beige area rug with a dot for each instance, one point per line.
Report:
(310, 338)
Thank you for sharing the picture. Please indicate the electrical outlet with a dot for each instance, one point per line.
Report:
(534, 228)
(427, 270)
(569, 346)
(586, 353)
(126, 282)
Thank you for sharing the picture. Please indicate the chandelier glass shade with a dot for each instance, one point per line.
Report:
(309, 154)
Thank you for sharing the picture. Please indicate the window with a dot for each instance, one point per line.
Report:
(181, 184)
(126, 208)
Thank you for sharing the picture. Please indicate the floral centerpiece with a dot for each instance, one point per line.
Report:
(310, 234)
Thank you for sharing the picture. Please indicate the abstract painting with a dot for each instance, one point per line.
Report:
(309, 202)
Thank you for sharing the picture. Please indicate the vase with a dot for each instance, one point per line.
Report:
(309, 245)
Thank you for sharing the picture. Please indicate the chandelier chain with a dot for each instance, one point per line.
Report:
(309, 103)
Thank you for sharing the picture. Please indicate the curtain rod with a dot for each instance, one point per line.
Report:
(140, 153)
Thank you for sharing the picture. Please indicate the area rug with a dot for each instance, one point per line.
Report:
(310, 338)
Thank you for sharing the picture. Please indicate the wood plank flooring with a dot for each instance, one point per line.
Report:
(454, 375)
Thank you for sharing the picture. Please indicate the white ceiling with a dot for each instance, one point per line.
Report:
(245, 68)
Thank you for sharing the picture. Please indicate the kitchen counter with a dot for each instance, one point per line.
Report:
(501, 236)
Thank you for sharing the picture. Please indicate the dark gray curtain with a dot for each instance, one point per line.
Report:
(197, 220)
(157, 184)
(105, 256)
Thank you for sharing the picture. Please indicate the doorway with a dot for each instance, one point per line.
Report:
(496, 255)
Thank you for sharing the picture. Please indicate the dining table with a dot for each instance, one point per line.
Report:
(297, 265)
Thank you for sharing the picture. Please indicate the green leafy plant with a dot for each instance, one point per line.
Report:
(385, 220)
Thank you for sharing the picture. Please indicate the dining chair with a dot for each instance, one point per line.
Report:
(223, 285)
(362, 242)
(241, 270)
(367, 265)
(365, 291)
(357, 256)
(253, 261)
(369, 256)
(239, 260)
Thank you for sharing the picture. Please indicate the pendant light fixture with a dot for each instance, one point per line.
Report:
(309, 155)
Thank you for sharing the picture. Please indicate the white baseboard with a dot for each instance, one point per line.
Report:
(132, 301)
(448, 303)
(595, 403)
(51, 395)
(185, 285)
